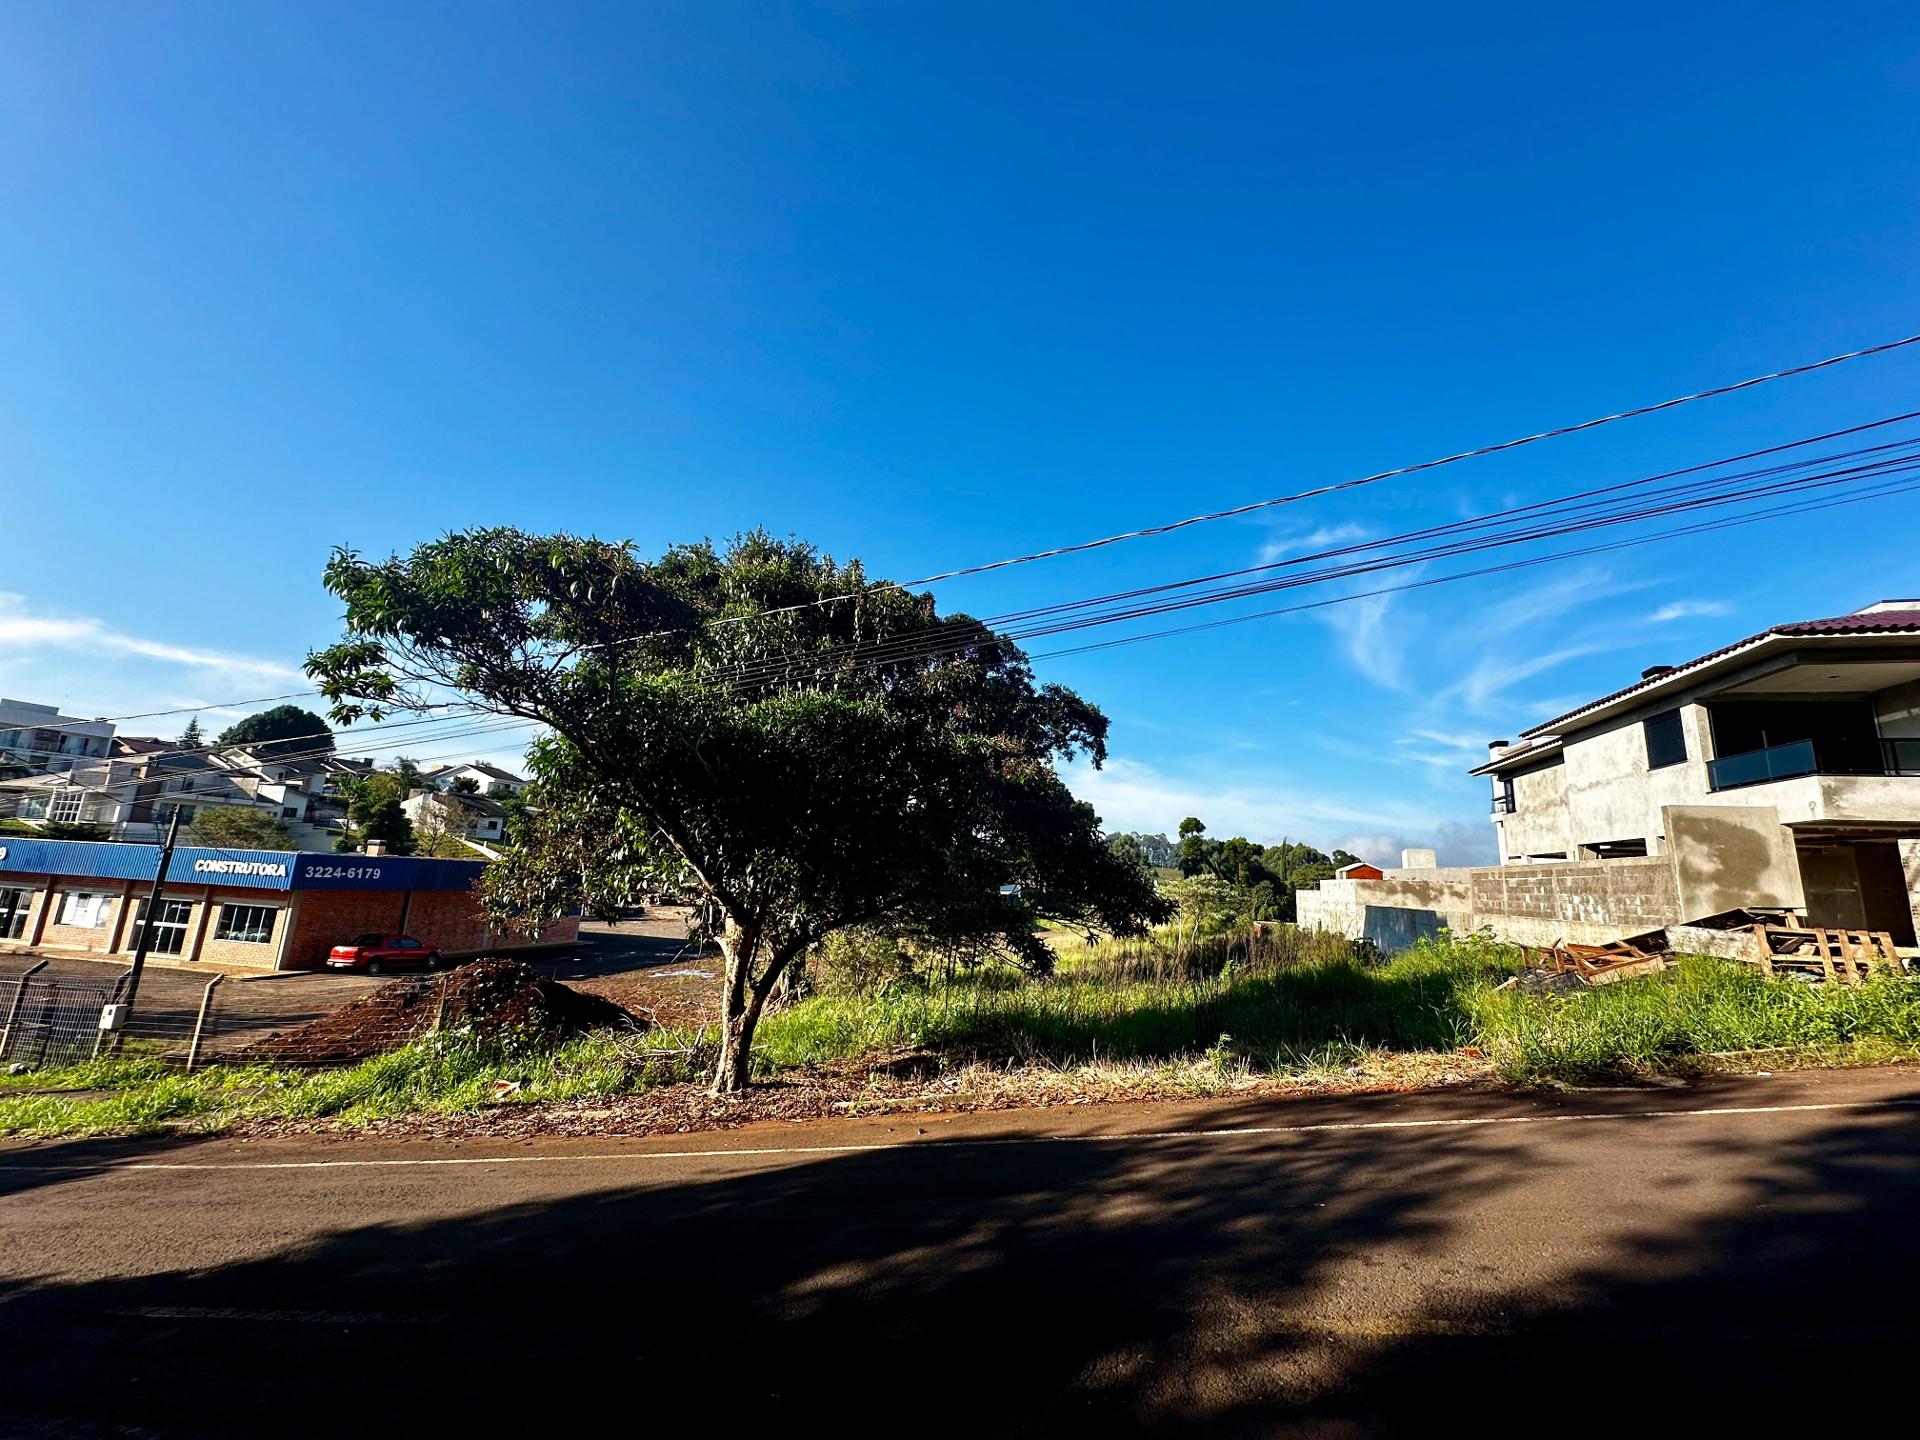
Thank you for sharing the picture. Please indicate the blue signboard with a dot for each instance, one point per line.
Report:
(251, 869)
(383, 872)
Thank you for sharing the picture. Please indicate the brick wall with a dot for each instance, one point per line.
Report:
(99, 937)
(32, 902)
(325, 918)
(240, 952)
(445, 919)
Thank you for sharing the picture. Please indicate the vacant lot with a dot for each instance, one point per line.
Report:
(1235, 1014)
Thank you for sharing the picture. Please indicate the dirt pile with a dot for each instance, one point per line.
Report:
(490, 998)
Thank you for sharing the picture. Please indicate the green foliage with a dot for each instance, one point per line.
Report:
(1702, 1006)
(1264, 877)
(1206, 902)
(1160, 852)
(283, 731)
(236, 827)
(466, 785)
(1277, 1000)
(374, 811)
(73, 830)
(193, 737)
(761, 724)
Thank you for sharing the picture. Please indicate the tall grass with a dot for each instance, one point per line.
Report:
(1276, 995)
(1701, 1007)
(1275, 1001)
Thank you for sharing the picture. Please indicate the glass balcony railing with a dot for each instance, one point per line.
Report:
(1815, 757)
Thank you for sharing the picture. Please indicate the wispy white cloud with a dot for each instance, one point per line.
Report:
(1688, 610)
(1326, 537)
(1375, 647)
(1490, 677)
(23, 630)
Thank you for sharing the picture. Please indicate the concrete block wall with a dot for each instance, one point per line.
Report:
(1637, 893)
(1588, 903)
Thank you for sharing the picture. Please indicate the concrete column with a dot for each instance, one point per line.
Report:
(1910, 866)
(39, 925)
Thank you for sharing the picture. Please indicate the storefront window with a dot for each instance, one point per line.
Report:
(169, 927)
(249, 924)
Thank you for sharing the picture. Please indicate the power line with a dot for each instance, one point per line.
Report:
(930, 644)
(905, 648)
(1883, 489)
(201, 709)
(1252, 507)
(1531, 561)
(1478, 452)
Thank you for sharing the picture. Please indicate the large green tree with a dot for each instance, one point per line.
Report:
(238, 827)
(280, 733)
(806, 750)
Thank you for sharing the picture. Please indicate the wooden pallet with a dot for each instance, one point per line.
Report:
(1848, 956)
(1600, 964)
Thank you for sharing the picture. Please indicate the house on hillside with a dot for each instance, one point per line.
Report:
(484, 776)
(470, 817)
(1781, 771)
(135, 792)
(39, 740)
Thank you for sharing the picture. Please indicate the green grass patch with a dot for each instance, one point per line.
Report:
(1701, 1007)
(1272, 1002)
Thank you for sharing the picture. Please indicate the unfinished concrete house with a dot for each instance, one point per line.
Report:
(1779, 772)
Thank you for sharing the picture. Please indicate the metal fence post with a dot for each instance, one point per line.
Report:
(200, 1022)
(440, 1009)
(13, 1009)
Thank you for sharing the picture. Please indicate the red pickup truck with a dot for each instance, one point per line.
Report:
(377, 954)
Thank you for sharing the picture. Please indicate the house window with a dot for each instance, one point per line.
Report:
(83, 909)
(169, 934)
(249, 924)
(163, 813)
(66, 806)
(1666, 741)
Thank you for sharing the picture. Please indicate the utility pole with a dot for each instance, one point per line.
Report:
(153, 909)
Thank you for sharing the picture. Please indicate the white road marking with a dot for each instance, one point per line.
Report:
(963, 1142)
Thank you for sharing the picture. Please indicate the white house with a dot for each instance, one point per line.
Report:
(40, 740)
(486, 776)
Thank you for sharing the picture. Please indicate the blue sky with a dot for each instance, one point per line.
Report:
(935, 284)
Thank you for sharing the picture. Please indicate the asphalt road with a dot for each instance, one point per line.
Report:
(1740, 1256)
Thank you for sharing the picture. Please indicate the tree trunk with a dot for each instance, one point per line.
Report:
(736, 1030)
(741, 1001)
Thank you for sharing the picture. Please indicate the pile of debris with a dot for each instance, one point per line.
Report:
(1575, 967)
(490, 998)
(1777, 941)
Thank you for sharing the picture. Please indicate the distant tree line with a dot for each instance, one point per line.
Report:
(1231, 880)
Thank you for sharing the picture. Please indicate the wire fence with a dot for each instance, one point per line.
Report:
(54, 1016)
(381, 1020)
(58, 1020)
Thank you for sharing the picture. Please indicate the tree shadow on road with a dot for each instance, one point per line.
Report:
(1332, 1283)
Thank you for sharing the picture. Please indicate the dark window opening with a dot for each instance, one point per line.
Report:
(1666, 740)
(1616, 849)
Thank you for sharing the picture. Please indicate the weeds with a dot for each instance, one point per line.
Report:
(1167, 1016)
